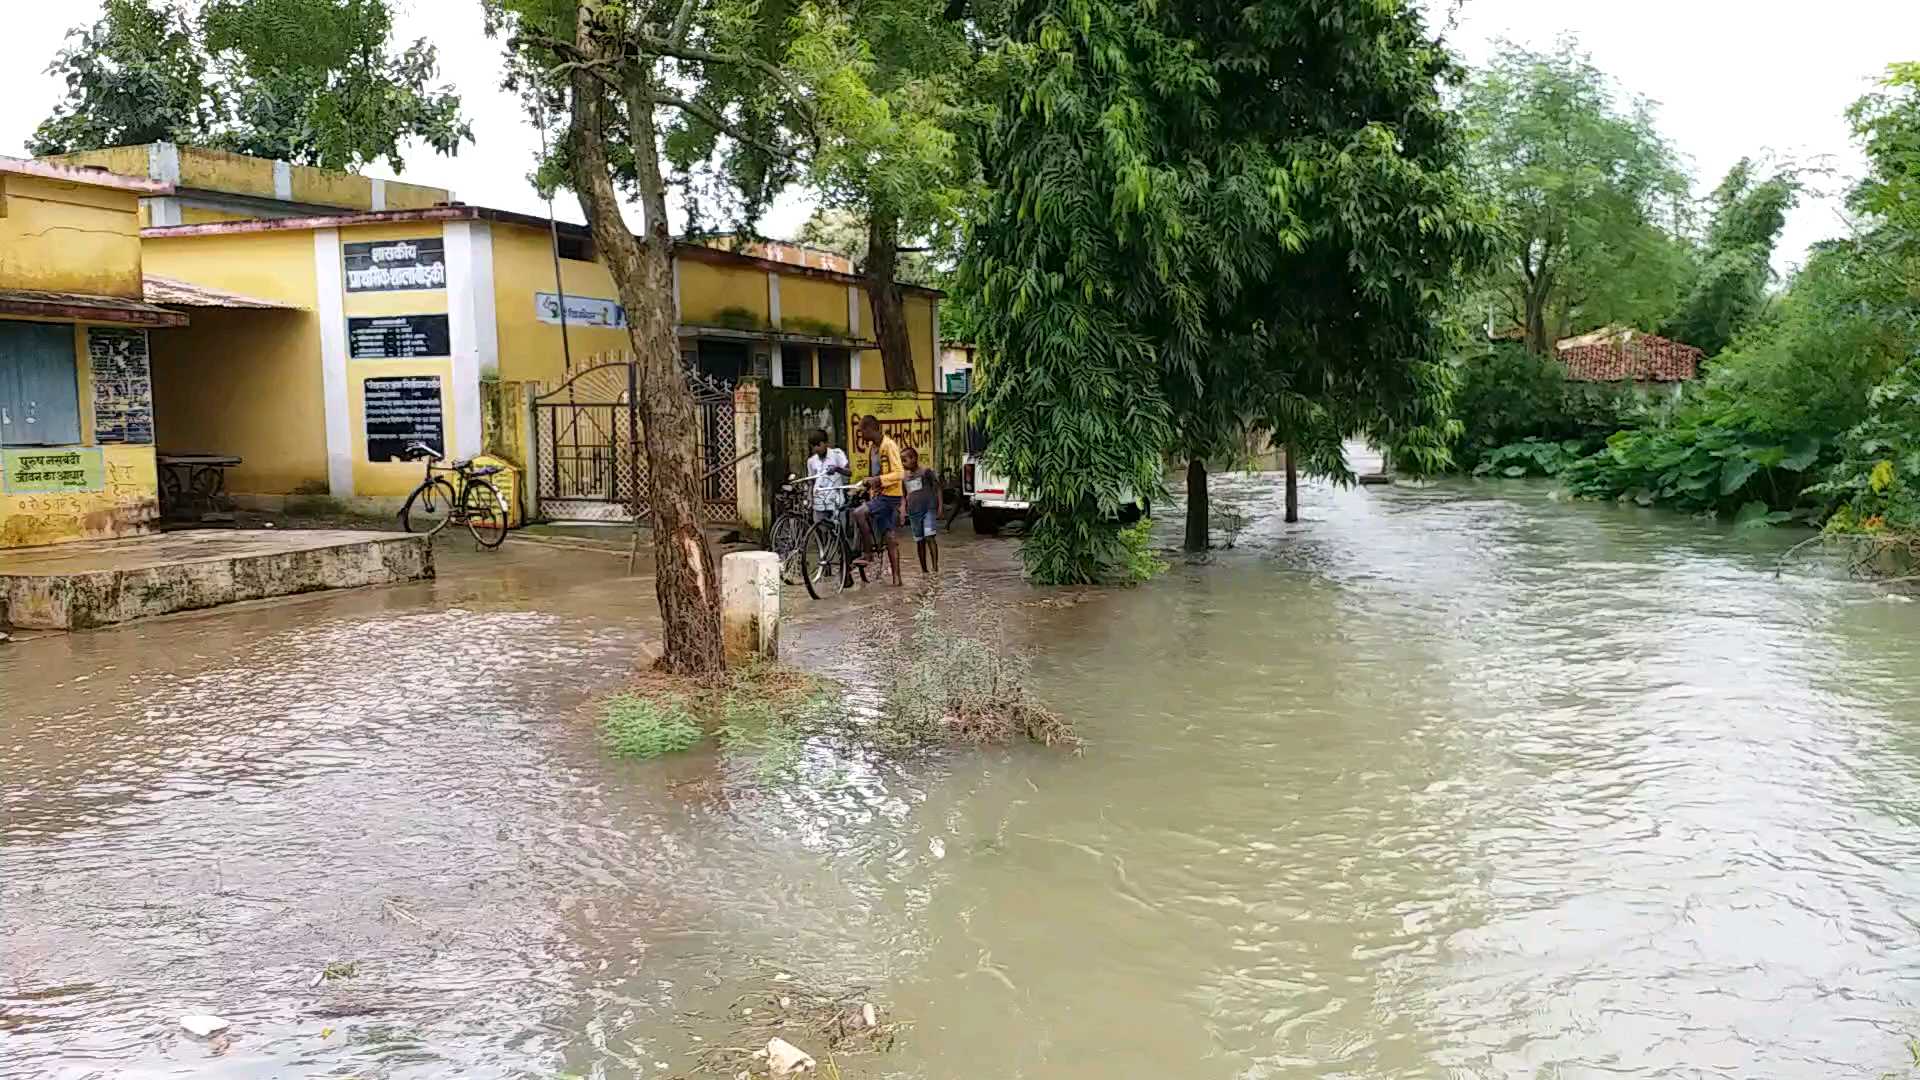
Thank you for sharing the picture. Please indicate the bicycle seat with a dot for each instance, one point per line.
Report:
(463, 464)
(486, 470)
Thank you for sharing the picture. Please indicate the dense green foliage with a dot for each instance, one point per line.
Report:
(1730, 288)
(1507, 395)
(1591, 197)
(1207, 218)
(1808, 410)
(318, 82)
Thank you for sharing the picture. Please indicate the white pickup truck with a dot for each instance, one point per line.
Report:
(992, 501)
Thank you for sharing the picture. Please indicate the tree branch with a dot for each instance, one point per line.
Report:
(678, 35)
(680, 51)
(721, 125)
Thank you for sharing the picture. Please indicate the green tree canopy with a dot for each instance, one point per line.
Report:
(318, 82)
(1592, 199)
(1736, 261)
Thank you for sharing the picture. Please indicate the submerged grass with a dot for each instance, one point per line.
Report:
(637, 726)
(934, 685)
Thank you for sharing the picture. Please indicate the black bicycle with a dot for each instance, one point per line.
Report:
(437, 502)
(830, 554)
(792, 516)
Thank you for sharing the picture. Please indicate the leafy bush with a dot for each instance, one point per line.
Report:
(943, 685)
(1876, 482)
(632, 725)
(1771, 409)
(1507, 395)
(1532, 457)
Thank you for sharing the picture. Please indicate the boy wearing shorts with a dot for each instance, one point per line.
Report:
(923, 509)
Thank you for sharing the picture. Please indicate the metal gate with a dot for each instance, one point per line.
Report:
(590, 461)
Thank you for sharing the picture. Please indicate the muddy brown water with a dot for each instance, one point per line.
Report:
(1449, 782)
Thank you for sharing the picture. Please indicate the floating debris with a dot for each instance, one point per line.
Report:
(203, 1025)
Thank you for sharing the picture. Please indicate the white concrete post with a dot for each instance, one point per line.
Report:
(749, 485)
(750, 606)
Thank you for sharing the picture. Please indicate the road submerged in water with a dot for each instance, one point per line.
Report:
(1449, 781)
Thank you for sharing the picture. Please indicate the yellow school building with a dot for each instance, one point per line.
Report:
(76, 403)
(325, 320)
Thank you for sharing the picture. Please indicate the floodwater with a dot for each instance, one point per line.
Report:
(1452, 782)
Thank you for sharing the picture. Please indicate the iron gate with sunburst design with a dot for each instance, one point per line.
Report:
(590, 462)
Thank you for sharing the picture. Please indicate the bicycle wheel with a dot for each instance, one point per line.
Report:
(429, 508)
(486, 514)
(789, 532)
(822, 563)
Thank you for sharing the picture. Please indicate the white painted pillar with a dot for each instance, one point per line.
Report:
(853, 331)
(282, 180)
(773, 316)
(379, 194)
(750, 606)
(473, 330)
(330, 291)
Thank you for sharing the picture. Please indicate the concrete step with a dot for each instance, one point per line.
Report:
(90, 584)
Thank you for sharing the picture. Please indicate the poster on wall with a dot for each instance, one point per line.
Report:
(907, 417)
(396, 265)
(52, 472)
(122, 385)
(398, 337)
(581, 311)
(402, 410)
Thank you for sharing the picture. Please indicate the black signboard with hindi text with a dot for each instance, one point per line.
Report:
(398, 337)
(396, 265)
(402, 410)
(122, 385)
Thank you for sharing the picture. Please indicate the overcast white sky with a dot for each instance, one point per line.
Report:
(1732, 77)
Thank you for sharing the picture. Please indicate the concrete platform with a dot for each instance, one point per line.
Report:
(85, 585)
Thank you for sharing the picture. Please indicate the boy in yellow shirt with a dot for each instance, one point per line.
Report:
(885, 473)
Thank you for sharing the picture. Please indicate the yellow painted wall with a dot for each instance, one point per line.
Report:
(126, 505)
(69, 237)
(412, 196)
(392, 478)
(328, 188)
(530, 349)
(118, 160)
(919, 310)
(705, 289)
(246, 383)
(811, 298)
(273, 265)
(201, 215)
(218, 170)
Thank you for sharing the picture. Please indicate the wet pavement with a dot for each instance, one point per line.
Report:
(1458, 781)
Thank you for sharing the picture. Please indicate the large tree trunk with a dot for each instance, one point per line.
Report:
(686, 580)
(889, 303)
(1199, 514)
(1293, 487)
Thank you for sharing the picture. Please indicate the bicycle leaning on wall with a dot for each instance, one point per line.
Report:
(439, 502)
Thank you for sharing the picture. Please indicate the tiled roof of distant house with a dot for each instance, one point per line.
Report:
(1617, 355)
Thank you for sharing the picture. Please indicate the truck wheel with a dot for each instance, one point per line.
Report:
(986, 522)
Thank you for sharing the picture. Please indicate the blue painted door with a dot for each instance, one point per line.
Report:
(39, 385)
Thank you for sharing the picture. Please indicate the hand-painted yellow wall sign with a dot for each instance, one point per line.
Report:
(47, 471)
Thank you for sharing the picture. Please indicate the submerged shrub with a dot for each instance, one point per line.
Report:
(942, 684)
(632, 725)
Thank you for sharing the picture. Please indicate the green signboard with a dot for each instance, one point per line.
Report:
(49, 471)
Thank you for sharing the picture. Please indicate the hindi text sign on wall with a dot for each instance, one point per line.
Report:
(581, 311)
(402, 410)
(396, 265)
(122, 385)
(52, 472)
(398, 337)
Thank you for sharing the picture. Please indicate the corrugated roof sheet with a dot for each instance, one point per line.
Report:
(87, 307)
(176, 293)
